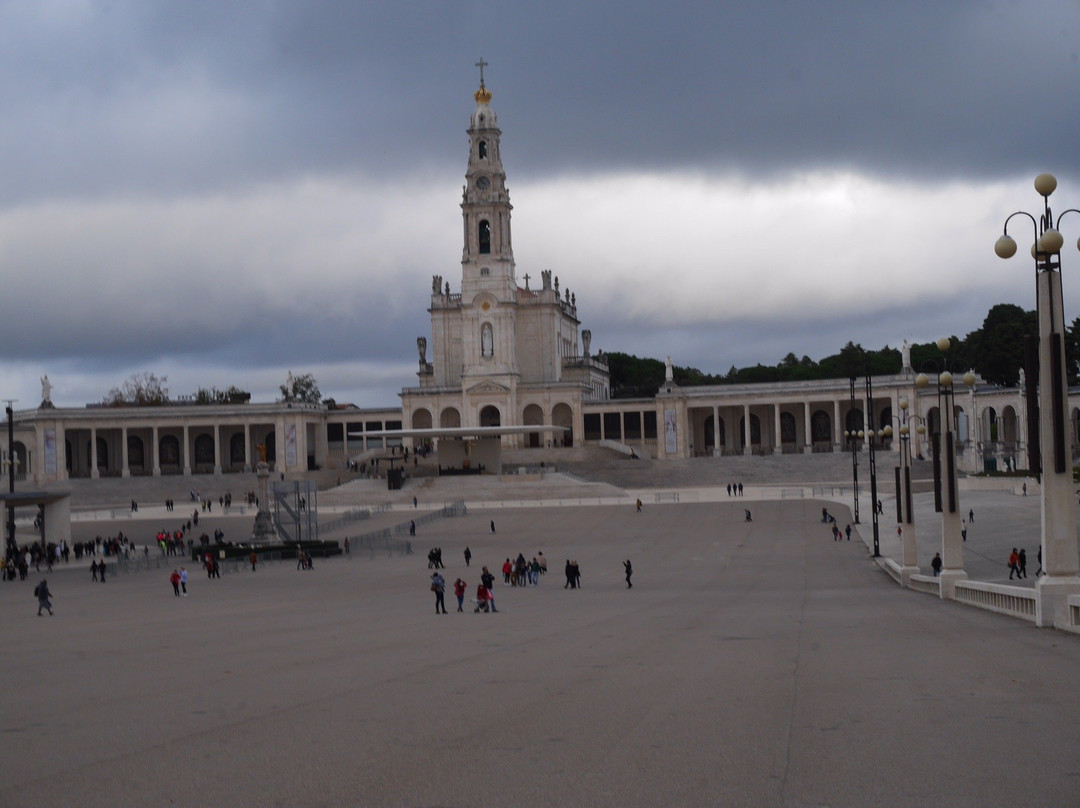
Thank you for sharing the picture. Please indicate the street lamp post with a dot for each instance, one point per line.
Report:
(946, 496)
(1060, 558)
(10, 462)
(851, 435)
(870, 435)
(905, 502)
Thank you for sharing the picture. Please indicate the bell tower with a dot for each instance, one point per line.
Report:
(487, 259)
(489, 304)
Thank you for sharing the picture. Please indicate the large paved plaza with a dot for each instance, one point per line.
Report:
(755, 664)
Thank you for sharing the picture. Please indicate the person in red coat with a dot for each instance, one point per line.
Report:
(174, 579)
(459, 593)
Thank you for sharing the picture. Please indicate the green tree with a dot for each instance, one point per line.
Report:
(996, 351)
(139, 390)
(302, 389)
(233, 395)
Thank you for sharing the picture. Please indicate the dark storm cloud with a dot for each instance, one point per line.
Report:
(155, 97)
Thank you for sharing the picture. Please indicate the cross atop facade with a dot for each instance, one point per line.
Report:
(482, 64)
(526, 281)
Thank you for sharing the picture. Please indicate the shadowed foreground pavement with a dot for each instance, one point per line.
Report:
(753, 664)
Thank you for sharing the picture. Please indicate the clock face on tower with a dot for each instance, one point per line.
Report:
(483, 183)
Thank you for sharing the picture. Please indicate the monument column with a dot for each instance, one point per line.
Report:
(808, 435)
(124, 470)
(778, 442)
(748, 448)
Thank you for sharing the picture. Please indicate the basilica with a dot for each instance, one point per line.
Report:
(508, 360)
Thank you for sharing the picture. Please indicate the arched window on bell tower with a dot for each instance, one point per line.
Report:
(485, 236)
(481, 149)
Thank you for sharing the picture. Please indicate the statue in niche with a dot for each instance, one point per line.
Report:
(261, 449)
(421, 348)
(586, 341)
(545, 277)
(487, 347)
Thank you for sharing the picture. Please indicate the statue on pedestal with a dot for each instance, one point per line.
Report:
(46, 392)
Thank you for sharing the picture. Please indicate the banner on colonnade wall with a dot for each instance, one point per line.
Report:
(671, 434)
(290, 446)
(50, 452)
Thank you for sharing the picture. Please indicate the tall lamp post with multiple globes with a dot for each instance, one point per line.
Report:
(1060, 558)
(946, 495)
(905, 502)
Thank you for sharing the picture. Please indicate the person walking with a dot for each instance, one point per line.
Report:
(253, 558)
(638, 503)
(183, 581)
(347, 545)
(438, 586)
(1039, 571)
(93, 570)
(569, 576)
(488, 581)
(935, 565)
(629, 571)
(43, 594)
(459, 593)
(468, 556)
(1014, 564)
(1022, 560)
(847, 530)
(492, 525)
(174, 579)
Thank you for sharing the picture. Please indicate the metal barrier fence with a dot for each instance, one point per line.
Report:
(383, 541)
(354, 515)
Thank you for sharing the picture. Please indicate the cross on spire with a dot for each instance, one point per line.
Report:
(527, 281)
(482, 64)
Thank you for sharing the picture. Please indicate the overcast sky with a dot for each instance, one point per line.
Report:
(223, 192)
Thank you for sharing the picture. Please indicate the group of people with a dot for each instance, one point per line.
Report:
(485, 596)
(1018, 563)
(524, 573)
(734, 490)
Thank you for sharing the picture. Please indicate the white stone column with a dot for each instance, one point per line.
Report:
(124, 470)
(154, 450)
(217, 447)
(716, 430)
(93, 453)
(838, 425)
(1060, 559)
(808, 434)
(778, 443)
(748, 448)
(952, 548)
(247, 445)
(61, 451)
(184, 453)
